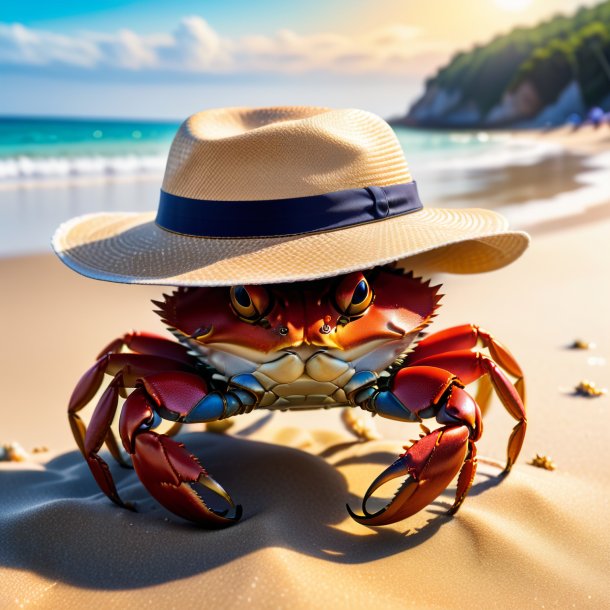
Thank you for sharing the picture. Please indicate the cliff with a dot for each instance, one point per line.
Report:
(529, 77)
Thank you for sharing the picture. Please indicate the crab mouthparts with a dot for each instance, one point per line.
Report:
(305, 376)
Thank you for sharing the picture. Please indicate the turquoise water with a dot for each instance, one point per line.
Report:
(40, 137)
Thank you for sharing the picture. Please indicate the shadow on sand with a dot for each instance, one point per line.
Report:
(56, 522)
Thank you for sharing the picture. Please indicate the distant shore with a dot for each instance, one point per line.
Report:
(580, 179)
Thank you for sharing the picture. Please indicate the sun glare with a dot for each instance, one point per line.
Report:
(513, 5)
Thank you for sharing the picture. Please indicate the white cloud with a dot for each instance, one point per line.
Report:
(22, 46)
(196, 48)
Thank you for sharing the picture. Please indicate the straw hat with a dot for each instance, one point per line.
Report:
(265, 195)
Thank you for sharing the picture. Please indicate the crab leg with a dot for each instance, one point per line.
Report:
(469, 366)
(467, 336)
(166, 469)
(130, 367)
(152, 345)
(93, 438)
(126, 368)
(148, 343)
(431, 463)
(461, 337)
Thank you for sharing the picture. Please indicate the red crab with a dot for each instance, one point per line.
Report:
(339, 342)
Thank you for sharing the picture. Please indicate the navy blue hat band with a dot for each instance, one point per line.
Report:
(280, 217)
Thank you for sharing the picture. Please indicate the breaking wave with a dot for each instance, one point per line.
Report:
(26, 168)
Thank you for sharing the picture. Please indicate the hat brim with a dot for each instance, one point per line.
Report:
(131, 248)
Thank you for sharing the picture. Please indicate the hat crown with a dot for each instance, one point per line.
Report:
(245, 154)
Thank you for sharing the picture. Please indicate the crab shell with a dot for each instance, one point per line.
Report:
(304, 347)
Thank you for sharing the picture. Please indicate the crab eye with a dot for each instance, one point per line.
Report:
(354, 295)
(249, 302)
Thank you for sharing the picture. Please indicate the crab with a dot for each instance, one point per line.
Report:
(352, 341)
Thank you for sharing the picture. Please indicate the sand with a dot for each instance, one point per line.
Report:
(586, 139)
(535, 539)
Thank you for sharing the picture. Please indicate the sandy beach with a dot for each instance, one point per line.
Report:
(535, 539)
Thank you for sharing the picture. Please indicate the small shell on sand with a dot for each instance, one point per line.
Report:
(363, 428)
(589, 389)
(542, 461)
(582, 344)
(13, 452)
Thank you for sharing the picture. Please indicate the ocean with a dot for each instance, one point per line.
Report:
(34, 149)
(53, 169)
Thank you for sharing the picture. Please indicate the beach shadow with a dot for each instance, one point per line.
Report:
(56, 522)
(259, 424)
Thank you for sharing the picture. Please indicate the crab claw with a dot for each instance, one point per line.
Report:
(429, 465)
(168, 471)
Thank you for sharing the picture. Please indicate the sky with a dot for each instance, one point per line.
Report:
(166, 60)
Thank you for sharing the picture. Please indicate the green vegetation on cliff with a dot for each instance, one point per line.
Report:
(548, 56)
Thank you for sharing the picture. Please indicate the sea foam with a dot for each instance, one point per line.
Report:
(24, 168)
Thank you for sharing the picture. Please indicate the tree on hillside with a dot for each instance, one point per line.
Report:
(549, 56)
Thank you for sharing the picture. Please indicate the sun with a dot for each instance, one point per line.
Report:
(513, 5)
